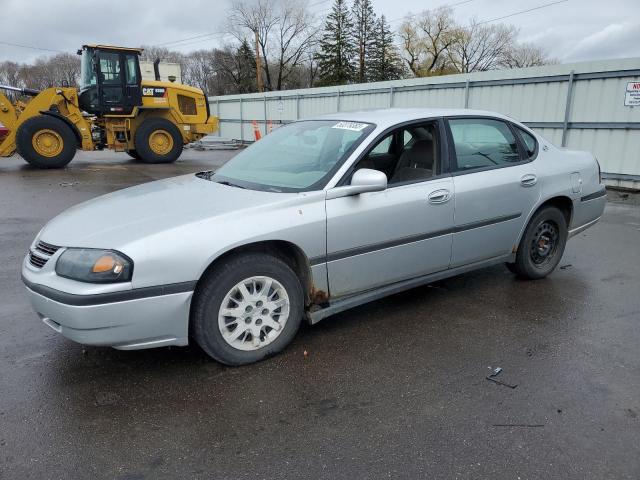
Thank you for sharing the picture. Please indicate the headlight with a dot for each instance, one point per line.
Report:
(94, 266)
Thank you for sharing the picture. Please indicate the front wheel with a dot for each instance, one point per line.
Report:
(45, 141)
(542, 244)
(247, 309)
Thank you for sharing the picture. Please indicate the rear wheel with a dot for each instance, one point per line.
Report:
(247, 309)
(542, 244)
(46, 142)
(157, 140)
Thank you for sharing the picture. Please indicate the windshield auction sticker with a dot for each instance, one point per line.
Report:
(354, 126)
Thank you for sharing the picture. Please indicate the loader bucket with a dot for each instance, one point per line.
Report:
(7, 141)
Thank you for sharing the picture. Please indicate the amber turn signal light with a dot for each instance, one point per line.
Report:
(105, 263)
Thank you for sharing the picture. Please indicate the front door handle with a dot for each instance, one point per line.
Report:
(528, 180)
(439, 196)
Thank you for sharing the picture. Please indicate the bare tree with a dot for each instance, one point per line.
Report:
(426, 39)
(311, 67)
(480, 47)
(412, 46)
(296, 36)
(151, 53)
(60, 70)
(199, 69)
(525, 55)
(64, 70)
(10, 74)
(286, 31)
(438, 28)
(292, 52)
(256, 18)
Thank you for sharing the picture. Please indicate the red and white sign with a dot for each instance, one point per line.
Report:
(632, 95)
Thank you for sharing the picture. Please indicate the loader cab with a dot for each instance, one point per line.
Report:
(110, 80)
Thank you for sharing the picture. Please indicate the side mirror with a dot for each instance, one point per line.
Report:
(363, 180)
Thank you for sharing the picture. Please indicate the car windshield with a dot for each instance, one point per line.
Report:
(301, 156)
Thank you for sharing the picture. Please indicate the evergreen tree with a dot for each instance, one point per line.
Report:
(336, 50)
(364, 23)
(246, 67)
(386, 63)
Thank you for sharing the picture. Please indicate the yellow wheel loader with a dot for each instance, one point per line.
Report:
(113, 108)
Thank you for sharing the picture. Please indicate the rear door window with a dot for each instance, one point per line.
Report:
(483, 143)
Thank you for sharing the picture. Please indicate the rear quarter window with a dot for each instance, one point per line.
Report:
(529, 141)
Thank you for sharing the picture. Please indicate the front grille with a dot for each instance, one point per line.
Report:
(43, 251)
(46, 248)
(37, 261)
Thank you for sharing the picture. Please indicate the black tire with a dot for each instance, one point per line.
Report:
(133, 154)
(211, 292)
(542, 244)
(143, 134)
(34, 126)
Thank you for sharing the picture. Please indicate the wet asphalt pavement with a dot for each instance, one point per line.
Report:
(393, 389)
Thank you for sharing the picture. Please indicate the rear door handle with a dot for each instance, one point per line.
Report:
(439, 196)
(528, 180)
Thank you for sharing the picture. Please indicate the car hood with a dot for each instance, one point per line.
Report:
(128, 215)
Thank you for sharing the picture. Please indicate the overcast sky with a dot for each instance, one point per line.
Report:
(575, 30)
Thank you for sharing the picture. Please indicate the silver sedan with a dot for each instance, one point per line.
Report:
(318, 217)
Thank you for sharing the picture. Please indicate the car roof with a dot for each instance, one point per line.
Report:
(387, 117)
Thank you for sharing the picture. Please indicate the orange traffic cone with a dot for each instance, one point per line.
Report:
(256, 130)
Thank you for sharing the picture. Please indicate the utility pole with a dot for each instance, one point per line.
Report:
(258, 63)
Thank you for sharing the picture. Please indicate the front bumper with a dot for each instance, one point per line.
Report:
(151, 321)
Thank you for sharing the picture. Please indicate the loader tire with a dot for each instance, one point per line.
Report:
(46, 142)
(133, 154)
(158, 141)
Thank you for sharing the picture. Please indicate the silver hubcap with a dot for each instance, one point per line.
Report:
(253, 313)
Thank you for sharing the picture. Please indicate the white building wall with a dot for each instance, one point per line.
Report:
(166, 70)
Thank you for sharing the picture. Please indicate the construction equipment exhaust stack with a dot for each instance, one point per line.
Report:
(156, 68)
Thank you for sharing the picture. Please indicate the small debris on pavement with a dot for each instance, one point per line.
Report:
(530, 425)
(494, 373)
(68, 184)
(305, 353)
(564, 267)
